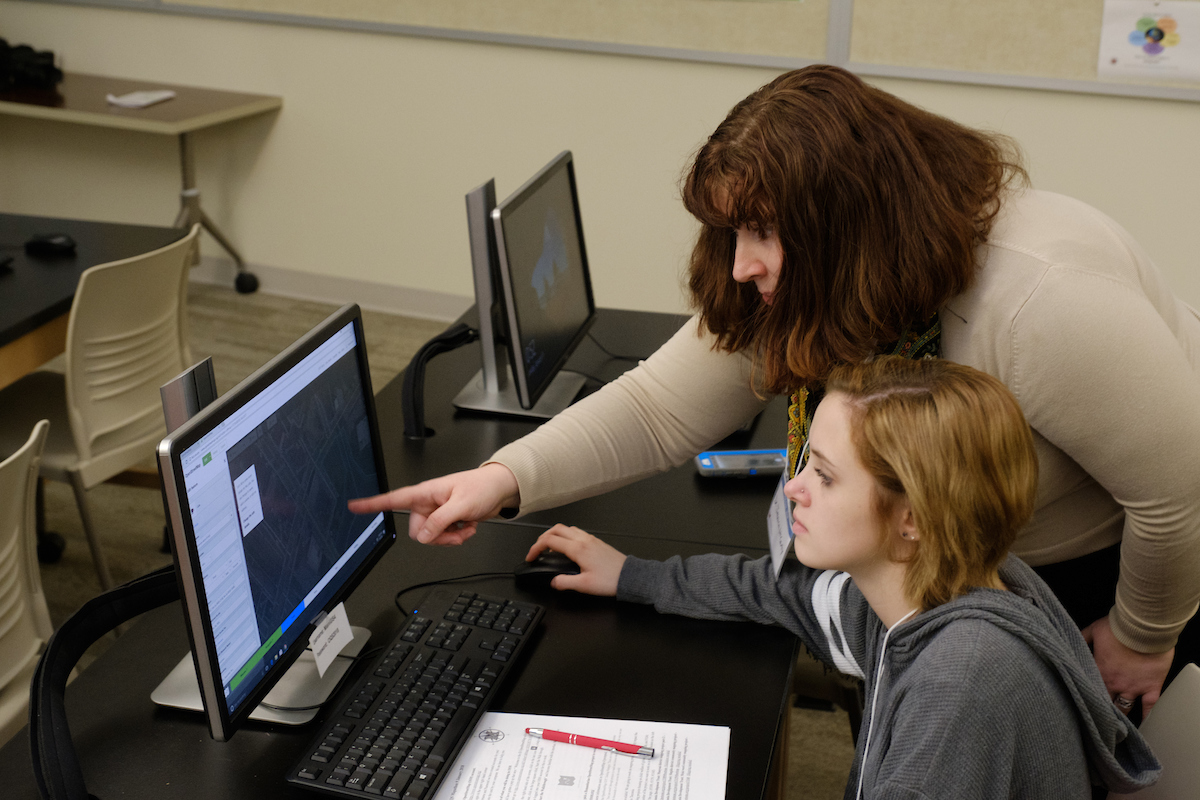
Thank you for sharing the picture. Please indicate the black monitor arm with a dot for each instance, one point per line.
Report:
(413, 399)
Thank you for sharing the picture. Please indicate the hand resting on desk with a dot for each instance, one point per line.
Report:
(599, 563)
(445, 510)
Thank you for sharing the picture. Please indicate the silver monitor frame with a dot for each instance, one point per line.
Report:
(500, 386)
(223, 722)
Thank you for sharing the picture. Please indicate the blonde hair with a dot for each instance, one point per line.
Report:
(952, 441)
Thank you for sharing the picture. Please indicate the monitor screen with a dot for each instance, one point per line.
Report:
(544, 274)
(256, 487)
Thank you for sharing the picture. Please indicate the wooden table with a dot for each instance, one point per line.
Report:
(82, 99)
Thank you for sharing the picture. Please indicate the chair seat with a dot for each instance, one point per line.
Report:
(37, 396)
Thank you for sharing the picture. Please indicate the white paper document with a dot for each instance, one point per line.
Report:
(1156, 40)
(140, 99)
(502, 762)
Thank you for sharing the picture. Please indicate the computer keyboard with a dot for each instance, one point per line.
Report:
(395, 733)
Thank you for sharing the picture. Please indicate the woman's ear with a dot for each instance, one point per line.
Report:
(905, 522)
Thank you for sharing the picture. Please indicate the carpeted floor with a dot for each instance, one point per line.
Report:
(241, 332)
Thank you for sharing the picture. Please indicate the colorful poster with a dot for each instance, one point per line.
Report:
(1150, 40)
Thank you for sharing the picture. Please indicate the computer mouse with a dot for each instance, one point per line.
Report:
(539, 572)
(50, 245)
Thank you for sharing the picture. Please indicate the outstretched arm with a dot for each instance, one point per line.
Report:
(644, 423)
(446, 510)
(823, 608)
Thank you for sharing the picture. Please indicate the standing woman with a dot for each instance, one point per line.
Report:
(839, 222)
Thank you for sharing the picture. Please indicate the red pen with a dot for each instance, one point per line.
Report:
(588, 741)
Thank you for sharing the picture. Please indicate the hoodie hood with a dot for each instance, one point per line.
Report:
(1117, 753)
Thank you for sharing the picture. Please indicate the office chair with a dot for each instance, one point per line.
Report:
(24, 618)
(126, 336)
(55, 761)
(1173, 730)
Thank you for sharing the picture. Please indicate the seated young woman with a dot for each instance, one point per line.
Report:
(978, 685)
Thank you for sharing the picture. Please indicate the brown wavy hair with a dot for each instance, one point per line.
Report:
(878, 206)
(952, 441)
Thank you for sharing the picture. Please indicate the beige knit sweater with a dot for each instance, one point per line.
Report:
(1070, 313)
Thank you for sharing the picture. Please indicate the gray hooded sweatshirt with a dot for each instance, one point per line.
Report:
(992, 695)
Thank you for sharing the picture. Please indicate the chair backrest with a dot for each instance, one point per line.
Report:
(24, 619)
(126, 337)
(55, 761)
(1173, 730)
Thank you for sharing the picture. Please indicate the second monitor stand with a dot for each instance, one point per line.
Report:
(501, 398)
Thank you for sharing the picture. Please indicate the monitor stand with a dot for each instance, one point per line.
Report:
(563, 389)
(299, 688)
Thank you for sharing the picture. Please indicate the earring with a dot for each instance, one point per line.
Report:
(904, 534)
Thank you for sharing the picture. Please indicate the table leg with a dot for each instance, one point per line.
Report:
(190, 213)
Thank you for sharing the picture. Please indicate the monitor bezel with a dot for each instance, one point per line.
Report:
(222, 723)
(526, 394)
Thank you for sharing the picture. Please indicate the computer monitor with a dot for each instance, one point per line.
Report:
(256, 486)
(533, 292)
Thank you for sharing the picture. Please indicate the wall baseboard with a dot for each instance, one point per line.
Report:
(408, 302)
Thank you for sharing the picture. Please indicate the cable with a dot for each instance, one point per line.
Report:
(611, 354)
(407, 589)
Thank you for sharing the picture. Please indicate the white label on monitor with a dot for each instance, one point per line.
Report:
(249, 501)
(330, 638)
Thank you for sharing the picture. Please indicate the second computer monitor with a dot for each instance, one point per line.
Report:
(544, 273)
(533, 292)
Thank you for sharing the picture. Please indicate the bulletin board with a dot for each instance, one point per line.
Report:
(1022, 43)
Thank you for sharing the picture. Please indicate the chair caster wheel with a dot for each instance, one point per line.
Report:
(246, 283)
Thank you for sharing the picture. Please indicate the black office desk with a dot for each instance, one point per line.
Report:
(36, 295)
(595, 657)
(678, 505)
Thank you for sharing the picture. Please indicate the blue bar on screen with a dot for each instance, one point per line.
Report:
(291, 617)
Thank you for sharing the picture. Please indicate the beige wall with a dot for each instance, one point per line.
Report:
(363, 172)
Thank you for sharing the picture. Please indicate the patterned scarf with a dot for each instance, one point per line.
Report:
(924, 341)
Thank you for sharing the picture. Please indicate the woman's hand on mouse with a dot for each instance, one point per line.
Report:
(445, 510)
(599, 563)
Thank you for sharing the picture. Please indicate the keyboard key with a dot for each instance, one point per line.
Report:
(358, 780)
(399, 783)
(418, 787)
(309, 773)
